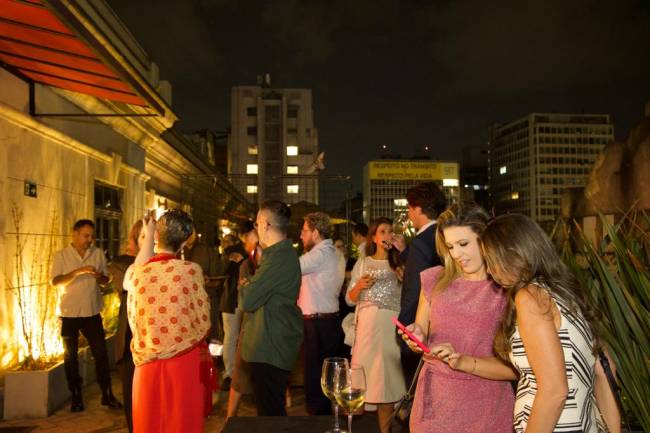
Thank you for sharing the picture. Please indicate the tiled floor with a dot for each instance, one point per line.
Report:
(97, 419)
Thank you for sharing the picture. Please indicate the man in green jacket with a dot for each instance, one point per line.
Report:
(273, 332)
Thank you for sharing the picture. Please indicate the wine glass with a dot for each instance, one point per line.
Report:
(328, 375)
(401, 223)
(350, 389)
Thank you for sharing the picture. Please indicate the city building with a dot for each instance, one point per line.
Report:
(534, 158)
(385, 183)
(273, 144)
(474, 180)
(212, 146)
(87, 132)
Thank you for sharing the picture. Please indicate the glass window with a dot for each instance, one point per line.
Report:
(251, 168)
(251, 111)
(292, 189)
(251, 130)
(252, 150)
(251, 189)
(292, 111)
(292, 150)
(292, 169)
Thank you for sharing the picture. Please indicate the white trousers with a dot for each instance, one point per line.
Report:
(231, 326)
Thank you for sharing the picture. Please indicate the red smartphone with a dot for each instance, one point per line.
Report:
(410, 335)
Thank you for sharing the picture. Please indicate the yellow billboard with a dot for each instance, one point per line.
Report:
(412, 170)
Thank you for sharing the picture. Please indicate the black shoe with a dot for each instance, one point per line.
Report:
(76, 404)
(225, 384)
(109, 400)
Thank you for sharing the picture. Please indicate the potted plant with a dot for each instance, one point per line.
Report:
(616, 274)
(36, 385)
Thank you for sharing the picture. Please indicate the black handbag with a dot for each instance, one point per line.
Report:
(402, 411)
(604, 362)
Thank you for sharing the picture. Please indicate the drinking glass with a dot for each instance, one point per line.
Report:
(350, 389)
(401, 223)
(328, 375)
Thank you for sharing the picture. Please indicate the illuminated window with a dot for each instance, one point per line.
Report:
(402, 202)
(503, 169)
(251, 189)
(251, 168)
(292, 169)
(450, 182)
(292, 150)
(292, 189)
(252, 150)
(515, 196)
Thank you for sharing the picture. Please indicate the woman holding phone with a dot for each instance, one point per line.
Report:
(548, 332)
(460, 305)
(376, 289)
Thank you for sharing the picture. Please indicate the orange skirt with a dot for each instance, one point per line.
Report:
(168, 395)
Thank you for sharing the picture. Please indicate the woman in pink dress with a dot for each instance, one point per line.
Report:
(459, 305)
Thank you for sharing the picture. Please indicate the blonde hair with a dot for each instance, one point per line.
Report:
(457, 215)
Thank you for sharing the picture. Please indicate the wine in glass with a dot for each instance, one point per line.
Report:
(328, 376)
(350, 389)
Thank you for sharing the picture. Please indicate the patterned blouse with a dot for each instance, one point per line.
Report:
(168, 308)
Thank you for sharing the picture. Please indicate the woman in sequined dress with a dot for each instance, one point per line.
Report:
(375, 289)
(460, 306)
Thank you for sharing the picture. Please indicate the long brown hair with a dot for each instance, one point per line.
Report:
(457, 215)
(516, 245)
(371, 248)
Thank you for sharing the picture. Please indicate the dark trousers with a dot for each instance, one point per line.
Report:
(269, 383)
(410, 361)
(93, 330)
(127, 368)
(323, 338)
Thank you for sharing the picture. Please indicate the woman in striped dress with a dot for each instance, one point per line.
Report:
(548, 333)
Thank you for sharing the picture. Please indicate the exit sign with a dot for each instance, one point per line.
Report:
(30, 189)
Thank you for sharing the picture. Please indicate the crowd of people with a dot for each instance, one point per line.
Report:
(511, 335)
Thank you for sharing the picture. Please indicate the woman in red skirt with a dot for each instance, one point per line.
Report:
(169, 314)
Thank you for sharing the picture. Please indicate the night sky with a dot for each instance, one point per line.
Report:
(403, 74)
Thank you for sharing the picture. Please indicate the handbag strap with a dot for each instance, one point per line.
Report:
(411, 391)
(616, 390)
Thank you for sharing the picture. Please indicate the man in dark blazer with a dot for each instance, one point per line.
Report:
(425, 202)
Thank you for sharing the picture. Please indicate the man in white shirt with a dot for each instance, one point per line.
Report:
(77, 271)
(323, 271)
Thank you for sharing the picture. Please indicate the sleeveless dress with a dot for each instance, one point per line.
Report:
(375, 346)
(580, 413)
(467, 315)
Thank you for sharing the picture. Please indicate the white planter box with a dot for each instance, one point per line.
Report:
(35, 394)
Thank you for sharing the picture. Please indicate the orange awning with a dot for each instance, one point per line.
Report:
(37, 44)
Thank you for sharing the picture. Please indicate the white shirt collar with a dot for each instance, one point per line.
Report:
(426, 226)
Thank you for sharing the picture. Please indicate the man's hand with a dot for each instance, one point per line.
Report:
(87, 270)
(398, 243)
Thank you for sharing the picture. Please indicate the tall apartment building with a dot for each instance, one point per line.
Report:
(385, 183)
(272, 143)
(533, 159)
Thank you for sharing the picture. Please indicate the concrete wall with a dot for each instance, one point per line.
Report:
(64, 159)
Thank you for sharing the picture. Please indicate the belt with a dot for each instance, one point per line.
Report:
(320, 316)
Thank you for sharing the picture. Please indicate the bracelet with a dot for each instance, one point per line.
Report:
(473, 369)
